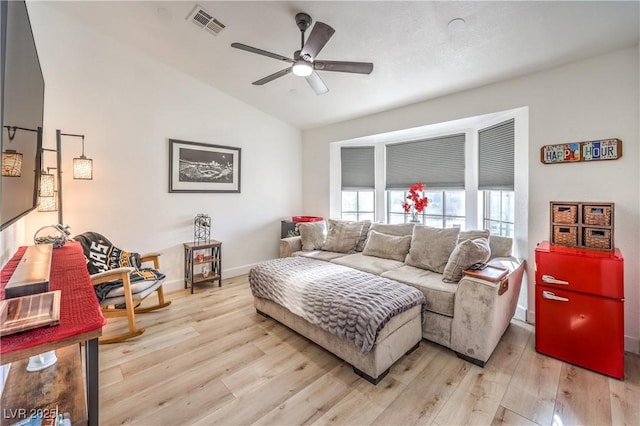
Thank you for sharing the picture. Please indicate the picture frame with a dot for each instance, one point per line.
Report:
(201, 167)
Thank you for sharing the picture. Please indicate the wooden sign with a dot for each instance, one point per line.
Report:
(605, 149)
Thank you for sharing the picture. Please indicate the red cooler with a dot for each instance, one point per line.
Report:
(580, 307)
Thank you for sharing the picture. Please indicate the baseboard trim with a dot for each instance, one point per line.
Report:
(531, 317)
(178, 284)
(521, 313)
(632, 344)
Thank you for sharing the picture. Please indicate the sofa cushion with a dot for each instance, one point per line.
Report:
(464, 255)
(371, 264)
(431, 247)
(327, 256)
(440, 296)
(400, 229)
(366, 225)
(312, 234)
(473, 234)
(387, 246)
(342, 236)
(500, 246)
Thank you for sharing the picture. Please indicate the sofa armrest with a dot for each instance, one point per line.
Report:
(484, 309)
(290, 245)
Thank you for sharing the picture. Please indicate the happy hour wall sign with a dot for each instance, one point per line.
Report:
(605, 149)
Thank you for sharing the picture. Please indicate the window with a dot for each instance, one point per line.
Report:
(435, 162)
(358, 205)
(446, 209)
(496, 176)
(358, 181)
(468, 176)
(499, 210)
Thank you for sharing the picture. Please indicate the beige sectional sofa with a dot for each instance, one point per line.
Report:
(468, 315)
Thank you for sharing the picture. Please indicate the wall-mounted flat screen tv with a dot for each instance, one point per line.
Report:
(22, 103)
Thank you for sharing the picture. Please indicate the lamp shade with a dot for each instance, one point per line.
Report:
(47, 185)
(11, 163)
(48, 204)
(83, 168)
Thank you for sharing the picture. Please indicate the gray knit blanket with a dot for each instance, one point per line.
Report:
(345, 302)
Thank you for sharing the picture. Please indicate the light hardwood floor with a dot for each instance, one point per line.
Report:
(209, 359)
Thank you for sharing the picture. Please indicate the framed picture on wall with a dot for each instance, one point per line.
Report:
(202, 167)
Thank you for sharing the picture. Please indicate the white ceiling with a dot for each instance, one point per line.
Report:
(415, 55)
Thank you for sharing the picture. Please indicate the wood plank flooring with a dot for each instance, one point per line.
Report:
(209, 359)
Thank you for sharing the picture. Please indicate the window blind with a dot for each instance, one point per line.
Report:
(438, 163)
(358, 168)
(496, 157)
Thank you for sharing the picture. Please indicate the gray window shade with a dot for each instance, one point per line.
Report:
(496, 157)
(437, 163)
(357, 167)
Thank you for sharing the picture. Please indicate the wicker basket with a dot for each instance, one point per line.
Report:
(565, 235)
(597, 215)
(565, 213)
(597, 238)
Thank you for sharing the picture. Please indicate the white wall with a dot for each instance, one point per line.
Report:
(128, 106)
(591, 99)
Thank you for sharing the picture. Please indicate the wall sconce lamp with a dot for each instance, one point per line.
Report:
(82, 166)
(50, 198)
(48, 204)
(48, 195)
(11, 163)
(11, 159)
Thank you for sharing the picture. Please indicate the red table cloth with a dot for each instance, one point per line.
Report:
(79, 309)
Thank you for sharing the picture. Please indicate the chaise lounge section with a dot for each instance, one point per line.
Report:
(466, 314)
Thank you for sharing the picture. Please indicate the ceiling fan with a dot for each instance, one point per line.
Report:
(304, 61)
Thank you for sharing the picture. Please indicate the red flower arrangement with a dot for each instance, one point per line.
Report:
(416, 203)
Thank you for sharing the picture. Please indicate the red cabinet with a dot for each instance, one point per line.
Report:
(580, 307)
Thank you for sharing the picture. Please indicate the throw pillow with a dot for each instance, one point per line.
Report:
(431, 247)
(464, 255)
(312, 234)
(343, 236)
(387, 246)
(366, 224)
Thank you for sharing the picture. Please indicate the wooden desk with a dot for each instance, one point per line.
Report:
(81, 320)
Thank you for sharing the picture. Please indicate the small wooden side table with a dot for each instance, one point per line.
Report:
(211, 257)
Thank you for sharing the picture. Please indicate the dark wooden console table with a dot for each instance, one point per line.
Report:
(81, 320)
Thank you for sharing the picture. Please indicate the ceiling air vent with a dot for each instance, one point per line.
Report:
(205, 20)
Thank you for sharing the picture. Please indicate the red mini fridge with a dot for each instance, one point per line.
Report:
(580, 307)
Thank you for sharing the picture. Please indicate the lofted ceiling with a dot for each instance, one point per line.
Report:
(416, 54)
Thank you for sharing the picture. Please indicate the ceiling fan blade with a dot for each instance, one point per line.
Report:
(320, 35)
(272, 77)
(317, 84)
(261, 52)
(341, 66)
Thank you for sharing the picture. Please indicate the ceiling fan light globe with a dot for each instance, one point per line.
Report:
(302, 68)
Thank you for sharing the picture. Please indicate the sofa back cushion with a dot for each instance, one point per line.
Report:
(473, 234)
(431, 247)
(500, 246)
(312, 234)
(387, 246)
(399, 230)
(343, 237)
(465, 254)
(366, 225)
